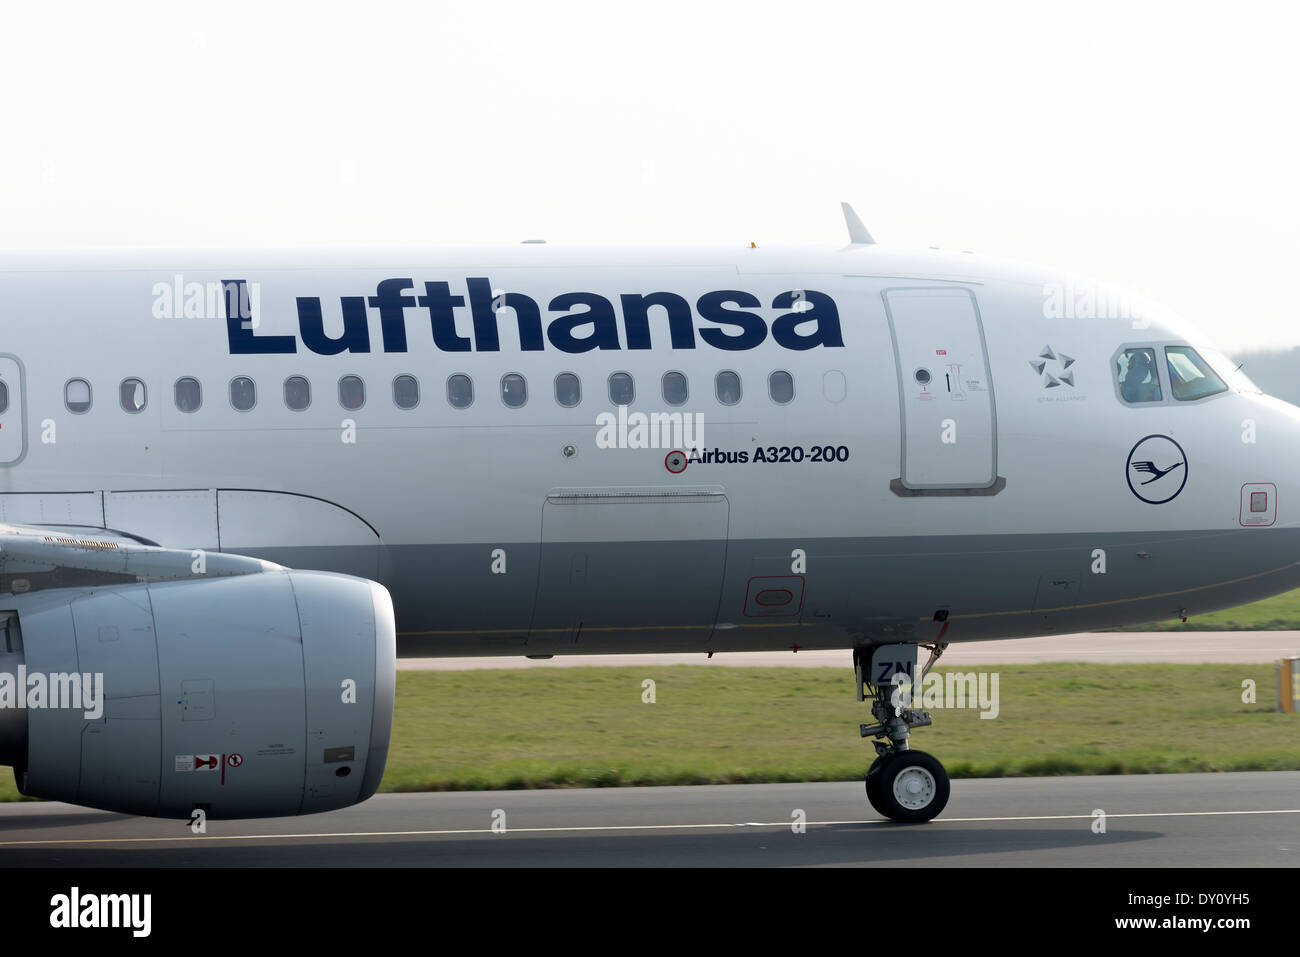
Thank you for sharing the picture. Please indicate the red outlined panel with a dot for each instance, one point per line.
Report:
(1258, 504)
(774, 596)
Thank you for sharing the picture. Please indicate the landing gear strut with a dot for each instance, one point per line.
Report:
(902, 784)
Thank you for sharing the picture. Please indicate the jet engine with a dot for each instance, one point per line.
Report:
(245, 695)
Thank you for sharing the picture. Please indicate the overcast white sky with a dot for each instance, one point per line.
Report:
(1153, 145)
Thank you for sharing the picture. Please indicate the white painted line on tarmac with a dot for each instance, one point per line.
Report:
(199, 839)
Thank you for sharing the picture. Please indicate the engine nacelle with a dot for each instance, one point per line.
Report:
(251, 695)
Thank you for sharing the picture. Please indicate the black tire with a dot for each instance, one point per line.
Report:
(873, 782)
(911, 787)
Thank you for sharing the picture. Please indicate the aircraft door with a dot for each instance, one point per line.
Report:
(13, 411)
(949, 427)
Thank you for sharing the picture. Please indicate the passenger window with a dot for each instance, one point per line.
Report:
(676, 388)
(622, 390)
(189, 394)
(780, 386)
(297, 393)
(406, 392)
(1138, 379)
(568, 389)
(460, 391)
(514, 390)
(727, 387)
(4, 397)
(76, 396)
(352, 392)
(132, 395)
(243, 393)
(1190, 376)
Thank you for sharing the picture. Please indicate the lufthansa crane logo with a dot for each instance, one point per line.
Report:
(1157, 469)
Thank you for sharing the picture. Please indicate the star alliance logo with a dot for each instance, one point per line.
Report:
(1053, 379)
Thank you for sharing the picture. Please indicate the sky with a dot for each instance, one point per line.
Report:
(1146, 144)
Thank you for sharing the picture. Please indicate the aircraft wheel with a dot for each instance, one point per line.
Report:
(910, 787)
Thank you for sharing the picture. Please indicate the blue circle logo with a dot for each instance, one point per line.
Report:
(1156, 469)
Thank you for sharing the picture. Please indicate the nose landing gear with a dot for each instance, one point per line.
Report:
(902, 784)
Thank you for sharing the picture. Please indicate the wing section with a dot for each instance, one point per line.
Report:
(39, 557)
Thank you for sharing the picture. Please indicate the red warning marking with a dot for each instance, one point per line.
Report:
(230, 761)
(205, 762)
(675, 462)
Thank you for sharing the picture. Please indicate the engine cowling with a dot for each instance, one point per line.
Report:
(252, 695)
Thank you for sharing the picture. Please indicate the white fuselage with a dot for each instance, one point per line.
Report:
(956, 456)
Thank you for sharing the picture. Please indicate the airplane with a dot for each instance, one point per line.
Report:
(238, 484)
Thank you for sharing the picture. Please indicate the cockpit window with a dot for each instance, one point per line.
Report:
(1190, 376)
(1138, 379)
(1231, 372)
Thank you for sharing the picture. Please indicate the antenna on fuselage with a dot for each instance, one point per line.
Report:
(858, 234)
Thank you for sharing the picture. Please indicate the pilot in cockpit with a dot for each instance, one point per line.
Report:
(1140, 382)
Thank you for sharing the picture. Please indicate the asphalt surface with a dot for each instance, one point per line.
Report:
(1186, 821)
(1187, 647)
